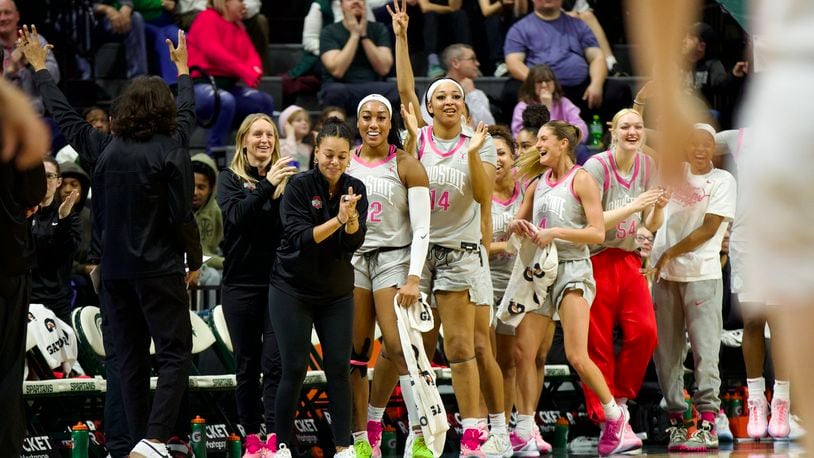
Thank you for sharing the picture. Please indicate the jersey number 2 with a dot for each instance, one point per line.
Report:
(375, 211)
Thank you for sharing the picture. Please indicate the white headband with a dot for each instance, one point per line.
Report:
(434, 87)
(706, 128)
(377, 98)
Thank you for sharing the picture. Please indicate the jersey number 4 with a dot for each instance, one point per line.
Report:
(442, 202)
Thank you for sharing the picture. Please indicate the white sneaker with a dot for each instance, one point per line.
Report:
(497, 446)
(797, 430)
(722, 426)
(148, 449)
(284, 452)
(501, 70)
(349, 452)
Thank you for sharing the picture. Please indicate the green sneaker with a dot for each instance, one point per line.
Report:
(420, 449)
(363, 448)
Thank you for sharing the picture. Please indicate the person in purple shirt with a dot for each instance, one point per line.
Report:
(566, 44)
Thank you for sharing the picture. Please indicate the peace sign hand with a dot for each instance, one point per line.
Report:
(400, 18)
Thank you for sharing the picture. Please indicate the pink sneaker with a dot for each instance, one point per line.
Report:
(779, 425)
(470, 444)
(523, 447)
(758, 413)
(271, 444)
(254, 447)
(543, 446)
(374, 435)
(612, 439)
(631, 444)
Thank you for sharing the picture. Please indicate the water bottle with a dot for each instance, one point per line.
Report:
(688, 411)
(233, 447)
(79, 437)
(197, 437)
(595, 130)
(560, 433)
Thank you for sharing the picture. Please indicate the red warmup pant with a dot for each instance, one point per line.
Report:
(622, 299)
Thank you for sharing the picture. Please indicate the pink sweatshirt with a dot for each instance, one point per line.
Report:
(223, 48)
(563, 110)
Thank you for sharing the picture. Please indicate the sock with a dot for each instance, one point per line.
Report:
(781, 390)
(757, 387)
(360, 436)
(621, 402)
(612, 410)
(524, 425)
(709, 417)
(611, 61)
(409, 400)
(498, 422)
(432, 59)
(374, 413)
(469, 423)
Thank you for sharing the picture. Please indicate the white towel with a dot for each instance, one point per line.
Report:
(412, 321)
(55, 339)
(534, 271)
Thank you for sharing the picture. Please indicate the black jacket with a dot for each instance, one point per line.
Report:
(142, 191)
(304, 268)
(251, 228)
(19, 191)
(56, 241)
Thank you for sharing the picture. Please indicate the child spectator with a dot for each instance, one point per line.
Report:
(208, 217)
(541, 87)
(296, 124)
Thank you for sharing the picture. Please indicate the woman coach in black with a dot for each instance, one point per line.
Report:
(323, 215)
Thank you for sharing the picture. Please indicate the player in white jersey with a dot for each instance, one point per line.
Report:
(460, 164)
(389, 263)
(630, 198)
(563, 207)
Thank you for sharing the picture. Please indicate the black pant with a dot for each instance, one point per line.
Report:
(457, 23)
(117, 433)
(139, 309)
(333, 321)
(14, 294)
(255, 345)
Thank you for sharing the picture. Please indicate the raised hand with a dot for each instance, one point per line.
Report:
(476, 142)
(399, 17)
(280, 170)
(178, 54)
(410, 120)
(28, 44)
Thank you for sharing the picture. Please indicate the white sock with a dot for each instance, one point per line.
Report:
(374, 413)
(781, 390)
(621, 401)
(498, 422)
(757, 388)
(611, 61)
(469, 423)
(360, 436)
(409, 400)
(612, 410)
(524, 425)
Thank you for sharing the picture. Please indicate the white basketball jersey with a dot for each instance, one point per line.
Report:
(557, 205)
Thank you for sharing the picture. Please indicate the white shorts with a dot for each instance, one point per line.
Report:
(379, 269)
(458, 270)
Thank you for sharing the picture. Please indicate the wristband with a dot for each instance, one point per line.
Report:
(340, 221)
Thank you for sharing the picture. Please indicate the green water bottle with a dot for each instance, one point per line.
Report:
(79, 437)
(688, 411)
(560, 433)
(595, 130)
(198, 437)
(233, 447)
(389, 442)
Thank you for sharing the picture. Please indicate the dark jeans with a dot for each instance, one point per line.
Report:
(117, 433)
(457, 23)
(237, 103)
(348, 95)
(156, 31)
(141, 308)
(14, 294)
(255, 345)
(293, 319)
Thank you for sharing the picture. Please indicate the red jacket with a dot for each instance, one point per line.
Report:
(223, 48)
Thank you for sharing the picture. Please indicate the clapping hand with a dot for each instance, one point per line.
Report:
(28, 44)
(67, 205)
(476, 142)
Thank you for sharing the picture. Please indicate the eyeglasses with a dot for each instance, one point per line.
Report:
(472, 58)
(644, 238)
(51, 176)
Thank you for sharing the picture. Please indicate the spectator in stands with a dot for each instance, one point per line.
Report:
(220, 47)
(462, 65)
(249, 194)
(187, 10)
(159, 25)
(118, 22)
(582, 10)
(208, 217)
(74, 179)
(22, 185)
(440, 15)
(323, 214)
(15, 67)
(541, 87)
(567, 45)
(356, 55)
(95, 116)
(57, 235)
(498, 16)
(296, 123)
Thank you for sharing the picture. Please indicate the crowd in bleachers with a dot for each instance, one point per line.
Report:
(556, 71)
